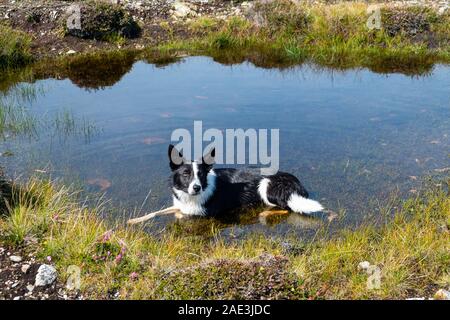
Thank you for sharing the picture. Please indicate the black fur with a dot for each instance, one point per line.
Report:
(233, 188)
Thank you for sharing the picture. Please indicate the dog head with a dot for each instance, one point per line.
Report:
(190, 177)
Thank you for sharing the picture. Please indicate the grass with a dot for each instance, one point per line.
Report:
(411, 251)
(14, 48)
(16, 118)
(276, 34)
(283, 33)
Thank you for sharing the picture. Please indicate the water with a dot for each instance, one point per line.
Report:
(353, 138)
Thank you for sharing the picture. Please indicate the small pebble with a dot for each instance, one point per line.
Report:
(442, 294)
(25, 268)
(364, 265)
(15, 259)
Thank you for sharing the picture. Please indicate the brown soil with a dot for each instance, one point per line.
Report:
(44, 20)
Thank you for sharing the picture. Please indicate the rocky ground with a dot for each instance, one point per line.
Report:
(45, 20)
(23, 278)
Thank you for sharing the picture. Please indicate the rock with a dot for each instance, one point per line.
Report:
(442, 294)
(30, 287)
(25, 268)
(181, 10)
(16, 298)
(71, 52)
(443, 9)
(16, 259)
(45, 276)
(364, 265)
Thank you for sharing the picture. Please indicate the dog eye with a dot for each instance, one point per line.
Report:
(186, 173)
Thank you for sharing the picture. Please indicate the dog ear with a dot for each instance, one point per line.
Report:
(209, 158)
(175, 157)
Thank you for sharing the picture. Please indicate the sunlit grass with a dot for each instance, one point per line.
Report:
(15, 120)
(330, 35)
(14, 48)
(411, 250)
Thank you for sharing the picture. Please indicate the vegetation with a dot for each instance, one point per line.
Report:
(17, 120)
(14, 48)
(106, 22)
(410, 244)
(283, 33)
(411, 250)
(276, 34)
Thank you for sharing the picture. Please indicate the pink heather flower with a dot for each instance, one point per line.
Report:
(49, 259)
(118, 258)
(106, 236)
(134, 275)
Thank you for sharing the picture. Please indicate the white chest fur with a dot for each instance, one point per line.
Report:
(194, 204)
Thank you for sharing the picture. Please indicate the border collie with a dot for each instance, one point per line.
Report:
(198, 189)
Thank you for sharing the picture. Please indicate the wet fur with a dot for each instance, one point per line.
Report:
(226, 189)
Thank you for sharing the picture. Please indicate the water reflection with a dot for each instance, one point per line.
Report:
(352, 137)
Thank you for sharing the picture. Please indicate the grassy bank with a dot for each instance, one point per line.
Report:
(281, 33)
(411, 252)
(14, 48)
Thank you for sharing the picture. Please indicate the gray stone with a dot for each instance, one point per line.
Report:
(25, 268)
(442, 294)
(15, 258)
(181, 10)
(364, 265)
(45, 276)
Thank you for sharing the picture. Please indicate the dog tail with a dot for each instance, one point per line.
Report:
(298, 203)
(285, 191)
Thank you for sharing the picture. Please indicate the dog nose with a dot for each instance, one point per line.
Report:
(196, 187)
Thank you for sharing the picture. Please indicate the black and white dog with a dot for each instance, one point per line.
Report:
(198, 189)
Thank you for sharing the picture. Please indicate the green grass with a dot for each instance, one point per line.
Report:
(278, 34)
(284, 34)
(411, 250)
(15, 120)
(281, 34)
(14, 48)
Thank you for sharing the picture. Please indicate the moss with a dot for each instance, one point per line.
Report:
(266, 277)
